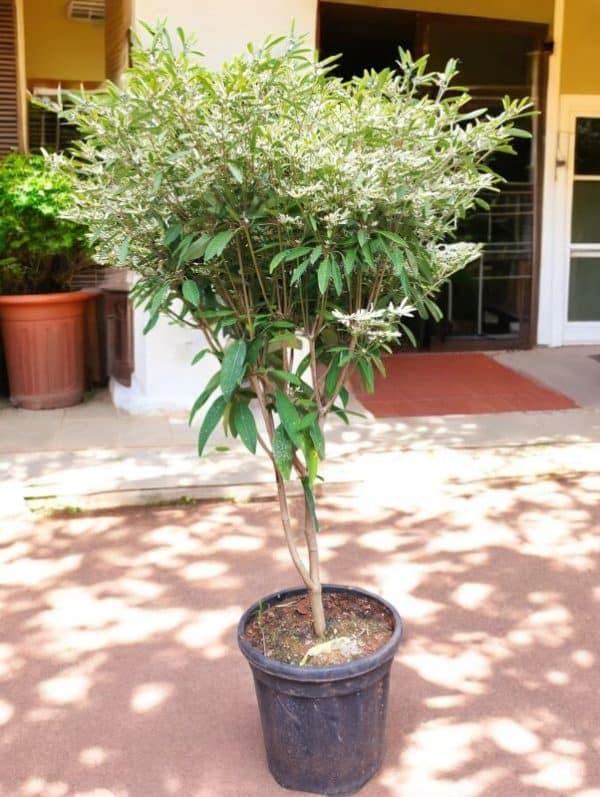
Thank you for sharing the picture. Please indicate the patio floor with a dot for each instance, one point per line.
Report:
(121, 676)
(458, 384)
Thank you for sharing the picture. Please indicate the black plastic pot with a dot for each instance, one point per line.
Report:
(323, 727)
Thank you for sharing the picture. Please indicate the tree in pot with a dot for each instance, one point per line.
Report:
(296, 220)
(40, 252)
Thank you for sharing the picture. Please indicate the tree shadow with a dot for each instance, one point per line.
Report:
(121, 675)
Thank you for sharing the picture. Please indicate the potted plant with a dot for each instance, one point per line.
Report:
(296, 220)
(40, 319)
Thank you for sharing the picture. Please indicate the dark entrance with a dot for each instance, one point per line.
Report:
(491, 304)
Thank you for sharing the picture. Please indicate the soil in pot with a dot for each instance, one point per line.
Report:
(356, 627)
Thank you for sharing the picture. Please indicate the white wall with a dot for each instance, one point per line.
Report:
(224, 27)
(163, 378)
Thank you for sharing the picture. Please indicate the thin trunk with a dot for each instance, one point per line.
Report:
(314, 593)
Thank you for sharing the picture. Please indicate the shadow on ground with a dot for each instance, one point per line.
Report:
(121, 676)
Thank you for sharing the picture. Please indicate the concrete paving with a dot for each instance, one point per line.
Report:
(121, 675)
(118, 662)
(93, 455)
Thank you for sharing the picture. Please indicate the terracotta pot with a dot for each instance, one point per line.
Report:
(43, 346)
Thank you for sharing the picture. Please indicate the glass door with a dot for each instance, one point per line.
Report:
(583, 295)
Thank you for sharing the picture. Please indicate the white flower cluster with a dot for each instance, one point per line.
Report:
(375, 326)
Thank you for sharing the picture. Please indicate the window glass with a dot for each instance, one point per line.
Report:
(584, 289)
(587, 146)
(586, 212)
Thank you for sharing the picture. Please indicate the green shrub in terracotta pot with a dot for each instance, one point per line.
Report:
(296, 220)
(40, 252)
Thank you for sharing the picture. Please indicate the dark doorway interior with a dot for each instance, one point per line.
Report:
(491, 304)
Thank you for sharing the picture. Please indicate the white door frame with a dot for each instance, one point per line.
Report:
(571, 107)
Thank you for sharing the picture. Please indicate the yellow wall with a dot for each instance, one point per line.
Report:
(224, 27)
(518, 10)
(580, 72)
(57, 48)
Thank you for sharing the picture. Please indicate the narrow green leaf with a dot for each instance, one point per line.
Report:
(197, 248)
(190, 292)
(316, 435)
(210, 422)
(233, 367)
(286, 376)
(236, 173)
(282, 451)
(276, 260)
(344, 396)
(337, 277)
(288, 416)
(151, 323)
(254, 350)
(349, 261)
(310, 503)
(158, 299)
(409, 333)
(324, 274)
(210, 388)
(307, 421)
(392, 236)
(362, 237)
(245, 426)
(123, 251)
(367, 375)
(200, 355)
(315, 254)
(299, 271)
(217, 244)
(332, 376)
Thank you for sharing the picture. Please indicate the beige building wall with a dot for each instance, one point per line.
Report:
(518, 10)
(57, 48)
(224, 27)
(580, 72)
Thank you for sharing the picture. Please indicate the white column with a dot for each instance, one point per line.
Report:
(553, 266)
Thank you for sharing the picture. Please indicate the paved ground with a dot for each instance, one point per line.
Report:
(121, 677)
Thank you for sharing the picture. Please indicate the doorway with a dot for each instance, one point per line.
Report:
(493, 302)
(581, 248)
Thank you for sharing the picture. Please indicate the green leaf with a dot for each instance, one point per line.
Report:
(151, 323)
(286, 376)
(299, 271)
(282, 451)
(312, 461)
(344, 396)
(210, 422)
(316, 435)
(392, 236)
(310, 503)
(158, 299)
(123, 251)
(254, 350)
(307, 421)
(276, 260)
(172, 232)
(233, 367)
(236, 173)
(288, 416)
(349, 260)
(367, 375)
(200, 355)
(217, 244)
(332, 376)
(362, 237)
(245, 426)
(337, 276)
(197, 248)
(210, 388)
(190, 292)
(324, 274)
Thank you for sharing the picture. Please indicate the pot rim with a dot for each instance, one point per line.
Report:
(80, 295)
(333, 672)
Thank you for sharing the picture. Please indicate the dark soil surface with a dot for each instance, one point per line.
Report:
(356, 627)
